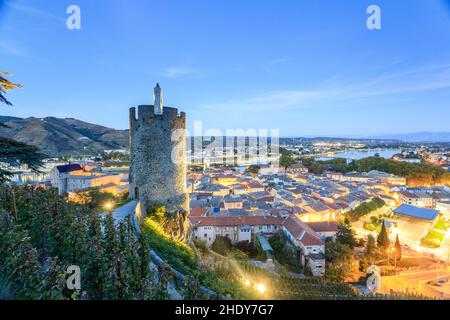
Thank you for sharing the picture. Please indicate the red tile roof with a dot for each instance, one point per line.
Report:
(302, 232)
(236, 221)
(198, 212)
(323, 226)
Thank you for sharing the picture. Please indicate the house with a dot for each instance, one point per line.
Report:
(226, 180)
(324, 229)
(387, 178)
(297, 168)
(254, 186)
(232, 202)
(319, 211)
(78, 177)
(58, 173)
(310, 248)
(238, 189)
(235, 228)
(214, 189)
(199, 212)
(418, 199)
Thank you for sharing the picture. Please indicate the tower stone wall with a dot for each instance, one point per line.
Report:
(155, 178)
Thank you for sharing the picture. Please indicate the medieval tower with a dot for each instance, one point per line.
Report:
(158, 161)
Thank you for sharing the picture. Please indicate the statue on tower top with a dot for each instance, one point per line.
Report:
(158, 99)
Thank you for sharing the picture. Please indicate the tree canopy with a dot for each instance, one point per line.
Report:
(14, 153)
(415, 173)
(345, 234)
(5, 86)
(383, 237)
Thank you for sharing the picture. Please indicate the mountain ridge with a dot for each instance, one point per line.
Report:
(68, 136)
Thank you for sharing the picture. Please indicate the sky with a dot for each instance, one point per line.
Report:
(307, 68)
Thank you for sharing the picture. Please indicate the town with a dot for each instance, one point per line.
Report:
(297, 153)
(282, 216)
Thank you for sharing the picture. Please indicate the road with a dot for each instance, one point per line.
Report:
(416, 281)
(122, 212)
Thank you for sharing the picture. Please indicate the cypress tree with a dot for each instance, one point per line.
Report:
(383, 238)
(370, 246)
(398, 249)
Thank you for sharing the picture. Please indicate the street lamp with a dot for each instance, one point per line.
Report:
(261, 288)
(109, 206)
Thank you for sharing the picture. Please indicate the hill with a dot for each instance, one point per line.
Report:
(420, 137)
(58, 137)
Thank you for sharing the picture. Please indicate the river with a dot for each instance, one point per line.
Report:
(359, 154)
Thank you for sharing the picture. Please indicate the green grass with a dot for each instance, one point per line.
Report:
(433, 239)
(442, 225)
(179, 255)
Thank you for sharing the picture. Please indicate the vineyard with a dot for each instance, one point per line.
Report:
(289, 287)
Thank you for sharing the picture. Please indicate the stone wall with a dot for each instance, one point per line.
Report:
(154, 177)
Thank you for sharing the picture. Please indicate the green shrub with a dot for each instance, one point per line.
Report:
(365, 208)
(442, 225)
(201, 246)
(222, 245)
(176, 253)
(430, 243)
(370, 227)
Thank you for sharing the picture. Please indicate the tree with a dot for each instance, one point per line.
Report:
(222, 245)
(345, 234)
(5, 86)
(14, 153)
(287, 160)
(383, 237)
(253, 169)
(398, 249)
(340, 261)
(370, 246)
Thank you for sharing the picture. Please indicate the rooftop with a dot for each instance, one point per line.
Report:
(416, 212)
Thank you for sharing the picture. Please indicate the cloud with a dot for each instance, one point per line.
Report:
(178, 72)
(330, 93)
(12, 50)
(33, 11)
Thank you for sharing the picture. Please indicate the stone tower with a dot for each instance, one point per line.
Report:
(158, 162)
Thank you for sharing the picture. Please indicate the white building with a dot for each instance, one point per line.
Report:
(418, 199)
(308, 243)
(237, 229)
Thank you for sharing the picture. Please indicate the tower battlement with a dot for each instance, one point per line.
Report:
(146, 115)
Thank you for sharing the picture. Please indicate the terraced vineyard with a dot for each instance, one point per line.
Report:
(289, 287)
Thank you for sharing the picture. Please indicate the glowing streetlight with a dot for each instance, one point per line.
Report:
(109, 206)
(261, 288)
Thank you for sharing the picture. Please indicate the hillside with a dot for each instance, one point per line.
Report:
(420, 137)
(57, 137)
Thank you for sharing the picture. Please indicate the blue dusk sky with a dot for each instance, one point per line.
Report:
(308, 68)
